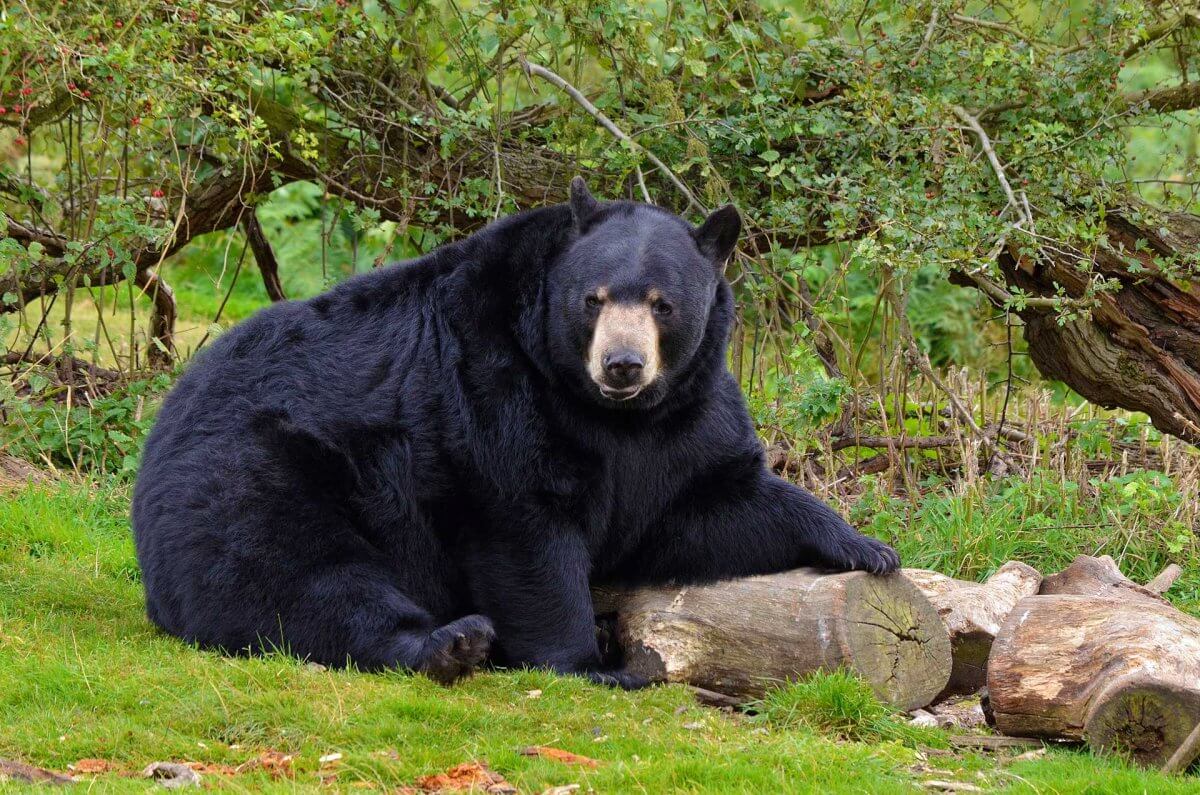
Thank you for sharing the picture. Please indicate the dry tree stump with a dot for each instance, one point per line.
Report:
(973, 613)
(740, 636)
(1121, 673)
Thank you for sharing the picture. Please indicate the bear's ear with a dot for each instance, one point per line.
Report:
(583, 203)
(717, 236)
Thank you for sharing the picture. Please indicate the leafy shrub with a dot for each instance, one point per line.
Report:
(102, 436)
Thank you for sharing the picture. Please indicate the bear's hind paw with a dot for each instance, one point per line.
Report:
(457, 649)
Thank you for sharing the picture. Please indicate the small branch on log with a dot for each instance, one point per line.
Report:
(897, 442)
(1165, 579)
(1184, 755)
(617, 132)
(264, 255)
(70, 364)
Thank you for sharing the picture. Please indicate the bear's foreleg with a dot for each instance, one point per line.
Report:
(764, 525)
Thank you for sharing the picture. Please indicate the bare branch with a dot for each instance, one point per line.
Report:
(606, 123)
(927, 38)
(985, 143)
(264, 255)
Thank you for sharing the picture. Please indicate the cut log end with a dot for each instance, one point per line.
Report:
(895, 640)
(1146, 721)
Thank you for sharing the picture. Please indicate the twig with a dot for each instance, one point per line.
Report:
(712, 698)
(1185, 753)
(929, 29)
(606, 123)
(917, 358)
(642, 184)
(1165, 579)
(986, 144)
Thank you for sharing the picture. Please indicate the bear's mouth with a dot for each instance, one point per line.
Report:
(620, 395)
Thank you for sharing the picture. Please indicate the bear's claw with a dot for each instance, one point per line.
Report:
(457, 649)
(863, 553)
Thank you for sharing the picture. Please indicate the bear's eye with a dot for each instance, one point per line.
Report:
(593, 301)
(662, 308)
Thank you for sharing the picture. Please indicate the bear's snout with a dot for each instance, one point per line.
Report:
(623, 357)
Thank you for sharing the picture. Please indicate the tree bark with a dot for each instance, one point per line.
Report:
(738, 637)
(1122, 674)
(1140, 347)
(973, 613)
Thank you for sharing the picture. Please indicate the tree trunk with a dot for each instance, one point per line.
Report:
(1140, 347)
(738, 637)
(973, 613)
(1122, 674)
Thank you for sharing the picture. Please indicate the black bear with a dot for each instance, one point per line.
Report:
(428, 465)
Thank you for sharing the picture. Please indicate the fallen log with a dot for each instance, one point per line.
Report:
(1122, 674)
(973, 613)
(740, 636)
(1089, 576)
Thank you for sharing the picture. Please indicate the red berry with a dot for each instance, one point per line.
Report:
(26, 92)
(16, 108)
(135, 121)
(19, 141)
(157, 193)
(3, 110)
(71, 87)
(87, 94)
(118, 24)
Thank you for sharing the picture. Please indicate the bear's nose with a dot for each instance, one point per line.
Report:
(623, 367)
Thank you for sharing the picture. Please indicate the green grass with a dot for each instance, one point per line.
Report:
(84, 675)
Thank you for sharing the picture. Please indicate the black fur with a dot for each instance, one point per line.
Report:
(415, 469)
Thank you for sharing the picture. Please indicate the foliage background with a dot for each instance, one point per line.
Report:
(168, 167)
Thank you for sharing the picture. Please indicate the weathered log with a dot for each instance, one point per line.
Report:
(740, 636)
(973, 613)
(1089, 576)
(1121, 674)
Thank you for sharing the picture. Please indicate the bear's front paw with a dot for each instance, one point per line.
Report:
(457, 649)
(862, 553)
(618, 678)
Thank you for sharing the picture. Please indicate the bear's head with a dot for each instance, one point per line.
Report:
(631, 296)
